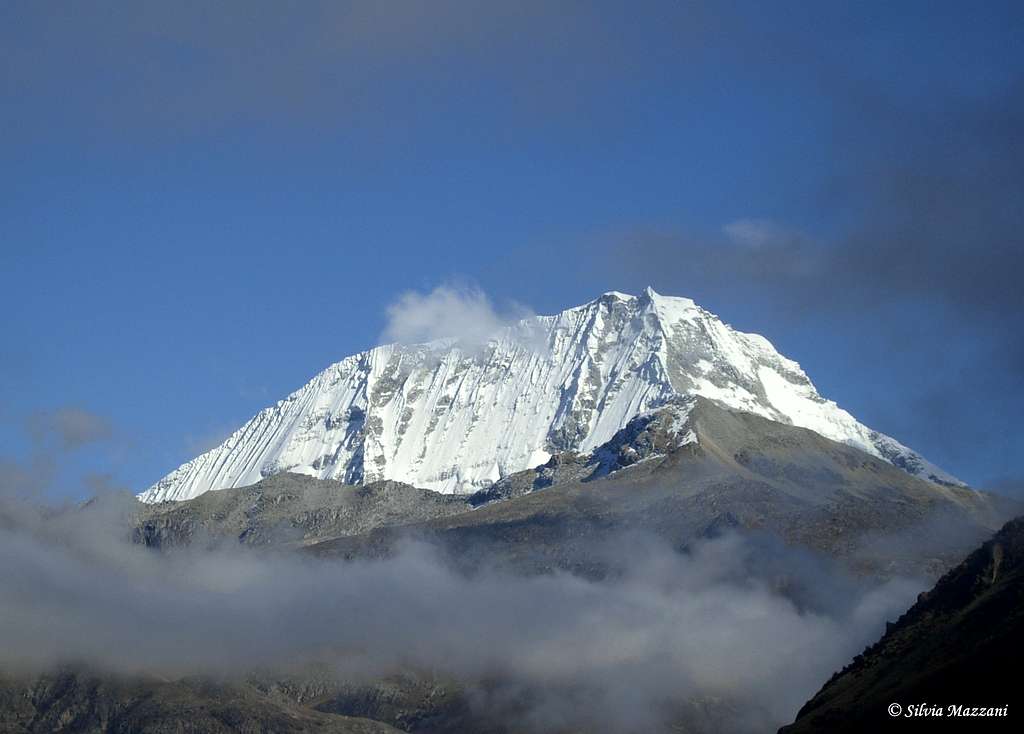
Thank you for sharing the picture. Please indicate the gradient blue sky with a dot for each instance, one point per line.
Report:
(203, 205)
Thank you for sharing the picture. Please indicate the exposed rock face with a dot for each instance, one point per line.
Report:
(695, 476)
(293, 509)
(958, 645)
(649, 435)
(80, 702)
(289, 509)
(410, 701)
(456, 419)
(685, 470)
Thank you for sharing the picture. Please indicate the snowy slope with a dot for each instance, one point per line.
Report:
(453, 418)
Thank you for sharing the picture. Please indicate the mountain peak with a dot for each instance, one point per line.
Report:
(442, 417)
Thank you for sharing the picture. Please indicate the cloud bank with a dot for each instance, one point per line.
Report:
(754, 627)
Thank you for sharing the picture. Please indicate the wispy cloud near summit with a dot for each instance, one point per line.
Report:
(461, 312)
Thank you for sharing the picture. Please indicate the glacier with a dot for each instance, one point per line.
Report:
(456, 417)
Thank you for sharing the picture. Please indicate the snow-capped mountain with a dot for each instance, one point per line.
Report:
(454, 418)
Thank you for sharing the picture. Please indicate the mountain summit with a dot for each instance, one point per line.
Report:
(455, 417)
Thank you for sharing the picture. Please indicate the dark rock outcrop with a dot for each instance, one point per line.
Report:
(959, 645)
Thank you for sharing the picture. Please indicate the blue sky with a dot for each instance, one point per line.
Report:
(201, 207)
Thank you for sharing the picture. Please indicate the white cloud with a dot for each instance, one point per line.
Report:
(464, 313)
(623, 654)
